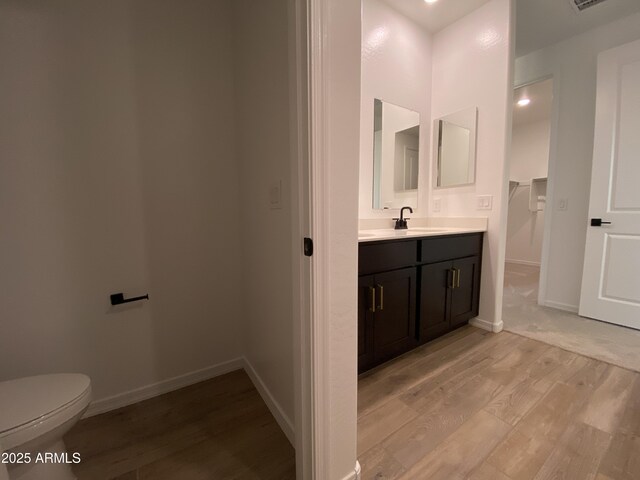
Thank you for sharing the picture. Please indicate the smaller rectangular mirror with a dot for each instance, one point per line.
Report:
(456, 148)
(396, 153)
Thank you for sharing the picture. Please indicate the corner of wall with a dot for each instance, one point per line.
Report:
(356, 474)
(284, 421)
(382, 78)
(495, 326)
(159, 388)
(457, 56)
(262, 76)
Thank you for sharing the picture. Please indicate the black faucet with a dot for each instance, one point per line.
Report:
(401, 223)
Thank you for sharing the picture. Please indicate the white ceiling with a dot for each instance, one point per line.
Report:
(541, 96)
(436, 16)
(540, 23)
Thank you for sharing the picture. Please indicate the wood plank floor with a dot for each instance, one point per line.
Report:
(218, 429)
(482, 406)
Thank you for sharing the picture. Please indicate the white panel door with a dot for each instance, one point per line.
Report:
(611, 278)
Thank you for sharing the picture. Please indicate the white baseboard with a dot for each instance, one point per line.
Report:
(561, 306)
(355, 475)
(276, 410)
(487, 325)
(523, 262)
(149, 391)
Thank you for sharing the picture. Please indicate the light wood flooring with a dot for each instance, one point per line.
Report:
(218, 429)
(482, 406)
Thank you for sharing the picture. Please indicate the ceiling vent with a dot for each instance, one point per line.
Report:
(582, 5)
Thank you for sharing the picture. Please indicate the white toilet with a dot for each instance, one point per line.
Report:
(35, 412)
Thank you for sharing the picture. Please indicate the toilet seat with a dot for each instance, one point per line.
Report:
(33, 405)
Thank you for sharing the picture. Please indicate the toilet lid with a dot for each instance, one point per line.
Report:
(26, 399)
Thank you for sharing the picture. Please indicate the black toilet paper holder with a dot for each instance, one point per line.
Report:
(118, 298)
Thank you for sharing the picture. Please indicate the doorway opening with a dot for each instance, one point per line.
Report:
(529, 172)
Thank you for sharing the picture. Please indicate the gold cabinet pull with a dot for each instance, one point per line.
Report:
(381, 306)
(372, 308)
(458, 278)
(453, 278)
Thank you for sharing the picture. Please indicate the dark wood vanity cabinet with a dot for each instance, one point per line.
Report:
(386, 316)
(449, 293)
(435, 299)
(412, 291)
(466, 294)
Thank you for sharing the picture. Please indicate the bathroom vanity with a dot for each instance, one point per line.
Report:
(415, 283)
(414, 286)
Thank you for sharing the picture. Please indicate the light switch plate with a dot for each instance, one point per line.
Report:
(437, 204)
(275, 195)
(485, 202)
(563, 204)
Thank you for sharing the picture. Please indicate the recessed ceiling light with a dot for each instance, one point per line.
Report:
(523, 102)
(430, 1)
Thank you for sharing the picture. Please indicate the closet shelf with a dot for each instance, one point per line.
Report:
(537, 194)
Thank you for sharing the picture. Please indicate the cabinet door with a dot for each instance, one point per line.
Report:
(394, 321)
(465, 295)
(365, 322)
(435, 280)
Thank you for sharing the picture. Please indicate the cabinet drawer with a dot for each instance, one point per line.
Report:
(380, 257)
(439, 249)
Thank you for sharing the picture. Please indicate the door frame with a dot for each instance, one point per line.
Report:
(302, 267)
(551, 182)
(325, 407)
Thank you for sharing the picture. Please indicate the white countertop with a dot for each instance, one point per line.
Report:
(391, 234)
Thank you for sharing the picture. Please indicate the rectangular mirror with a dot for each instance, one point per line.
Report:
(396, 153)
(456, 154)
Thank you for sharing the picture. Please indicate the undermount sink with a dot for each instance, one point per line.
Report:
(390, 232)
(428, 229)
(411, 233)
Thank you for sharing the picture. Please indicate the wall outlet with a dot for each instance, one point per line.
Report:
(437, 204)
(275, 195)
(485, 202)
(563, 204)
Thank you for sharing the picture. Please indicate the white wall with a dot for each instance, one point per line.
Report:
(90, 205)
(529, 156)
(184, 95)
(471, 67)
(529, 159)
(396, 68)
(573, 65)
(261, 52)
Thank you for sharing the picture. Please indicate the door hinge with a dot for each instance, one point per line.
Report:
(308, 246)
